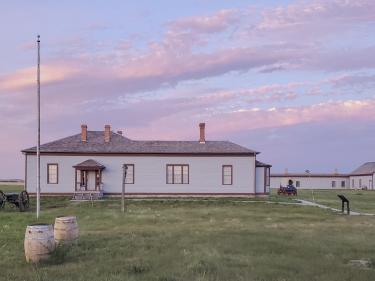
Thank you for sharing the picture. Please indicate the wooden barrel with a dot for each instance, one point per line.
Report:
(39, 242)
(66, 230)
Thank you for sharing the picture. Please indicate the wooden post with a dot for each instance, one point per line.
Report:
(100, 180)
(86, 178)
(75, 180)
(96, 180)
(125, 169)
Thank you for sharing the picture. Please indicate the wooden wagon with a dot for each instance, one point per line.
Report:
(20, 200)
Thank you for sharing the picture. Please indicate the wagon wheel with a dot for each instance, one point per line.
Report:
(24, 201)
(3, 198)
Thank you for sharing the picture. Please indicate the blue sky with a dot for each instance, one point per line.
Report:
(292, 79)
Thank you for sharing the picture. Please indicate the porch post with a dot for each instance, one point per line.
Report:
(86, 172)
(75, 179)
(96, 180)
(100, 179)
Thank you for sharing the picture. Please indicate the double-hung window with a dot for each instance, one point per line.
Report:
(52, 173)
(227, 177)
(130, 174)
(177, 174)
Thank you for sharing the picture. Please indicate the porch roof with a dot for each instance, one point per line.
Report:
(261, 164)
(89, 164)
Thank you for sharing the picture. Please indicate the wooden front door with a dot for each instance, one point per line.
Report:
(91, 180)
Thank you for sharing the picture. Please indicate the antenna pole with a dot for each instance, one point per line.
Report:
(38, 145)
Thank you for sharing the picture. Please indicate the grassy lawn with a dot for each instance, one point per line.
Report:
(216, 239)
(11, 188)
(360, 200)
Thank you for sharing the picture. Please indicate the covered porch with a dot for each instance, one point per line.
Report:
(88, 180)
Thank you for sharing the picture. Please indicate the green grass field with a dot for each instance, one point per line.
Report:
(11, 188)
(216, 239)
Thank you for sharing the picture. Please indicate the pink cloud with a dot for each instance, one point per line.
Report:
(223, 124)
(175, 58)
(167, 67)
(319, 12)
(278, 117)
(353, 80)
(219, 21)
(81, 78)
(26, 78)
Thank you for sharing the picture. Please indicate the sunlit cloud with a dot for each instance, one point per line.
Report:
(26, 78)
(217, 22)
(318, 12)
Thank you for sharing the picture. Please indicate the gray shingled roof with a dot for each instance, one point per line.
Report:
(261, 164)
(90, 163)
(366, 169)
(119, 144)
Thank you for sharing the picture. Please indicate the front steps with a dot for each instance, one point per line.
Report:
(88, 195)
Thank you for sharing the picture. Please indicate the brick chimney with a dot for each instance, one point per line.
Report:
(84, 133)
(202, 137)
(107, 133)
(119, 132)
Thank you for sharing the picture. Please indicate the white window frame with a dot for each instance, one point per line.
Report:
(224, 176)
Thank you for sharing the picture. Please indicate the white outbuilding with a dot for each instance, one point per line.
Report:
(363, 176)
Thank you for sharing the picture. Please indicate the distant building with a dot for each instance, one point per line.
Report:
(90, 164)
(311, 181)
(363, 176)
(360, 178)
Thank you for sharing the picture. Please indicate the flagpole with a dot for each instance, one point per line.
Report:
(38, 146)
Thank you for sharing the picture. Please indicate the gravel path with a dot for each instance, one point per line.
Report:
(313, 204)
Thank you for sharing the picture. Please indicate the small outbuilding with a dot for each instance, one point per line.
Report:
(363, 176)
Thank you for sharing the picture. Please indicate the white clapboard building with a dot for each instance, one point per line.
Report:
(360, 178)
(363, 176)
(90, 164)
